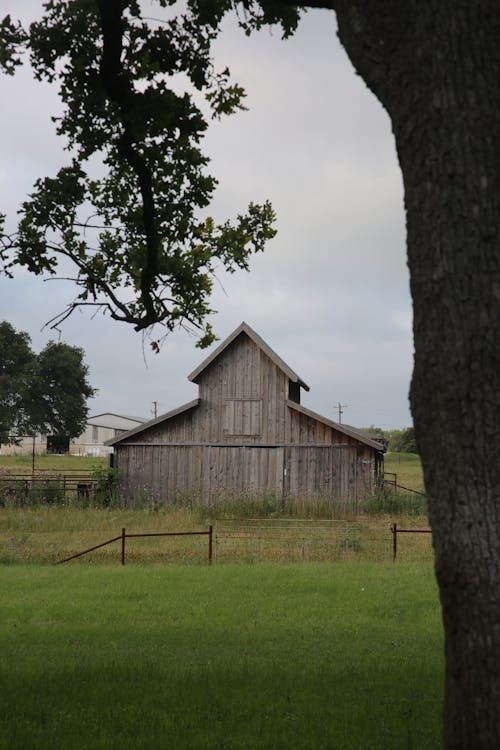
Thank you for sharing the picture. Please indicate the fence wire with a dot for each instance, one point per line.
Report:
(318, 540)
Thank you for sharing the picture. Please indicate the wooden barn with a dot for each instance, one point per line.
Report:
(246, 434)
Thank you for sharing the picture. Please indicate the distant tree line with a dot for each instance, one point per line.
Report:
(400, 441)
(41, 393)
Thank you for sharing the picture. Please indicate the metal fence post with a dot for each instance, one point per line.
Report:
(394, 541)
(123, 546)
(210, 540)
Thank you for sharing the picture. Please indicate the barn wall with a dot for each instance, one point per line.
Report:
(165, 473)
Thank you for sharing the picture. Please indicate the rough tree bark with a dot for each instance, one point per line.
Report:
(435, 66)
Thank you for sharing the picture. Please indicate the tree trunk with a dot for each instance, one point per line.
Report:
(435, 66)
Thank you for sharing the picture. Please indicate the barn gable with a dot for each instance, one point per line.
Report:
(259, 343)
(246, 432)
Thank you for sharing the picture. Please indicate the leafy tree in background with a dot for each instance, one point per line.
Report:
(403, 441)
(60, 377)
(44, 393)
(16, 365)
(435, 67)
(399, 441)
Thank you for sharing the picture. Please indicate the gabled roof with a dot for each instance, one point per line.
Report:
(104, 419)
(349, 431)
(154, 422)
(245, 328)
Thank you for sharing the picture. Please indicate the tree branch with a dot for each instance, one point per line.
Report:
(120, 91)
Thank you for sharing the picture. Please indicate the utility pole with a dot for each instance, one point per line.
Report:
(340, 407)
(155, 408)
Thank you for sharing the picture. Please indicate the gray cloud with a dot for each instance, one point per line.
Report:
(330, 294)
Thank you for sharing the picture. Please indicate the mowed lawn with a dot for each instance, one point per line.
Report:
(310, 656)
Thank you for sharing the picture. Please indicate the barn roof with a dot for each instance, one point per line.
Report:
(245, 328)
(344, 429)
(154, 422)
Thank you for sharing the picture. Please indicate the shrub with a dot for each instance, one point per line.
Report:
(105, 480)
(391, 502)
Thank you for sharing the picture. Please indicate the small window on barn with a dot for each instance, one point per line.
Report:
(294, 392)
(94, 433)
(242, 417)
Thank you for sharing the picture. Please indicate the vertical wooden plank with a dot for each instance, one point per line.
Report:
(197, 471)
(276, 405)
(212, 474)
(228, 471)
(276, 471)
(312, 481)
(256, 418)
(172, 470)
(239, 367)
(205, 474)
(287, 436)
(150, 468)
(271, 402)
(245, 417)
(263, 464)
(245, 366)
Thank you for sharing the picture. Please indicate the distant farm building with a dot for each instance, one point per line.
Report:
(99, 429)
(245, 434)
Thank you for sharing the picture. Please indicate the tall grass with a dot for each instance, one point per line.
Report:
(394, 502)
(234, 657)
(267, 505)
(46, 527)
(50, 533)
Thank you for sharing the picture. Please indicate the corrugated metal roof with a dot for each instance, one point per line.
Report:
(259, 341)
(117, 421)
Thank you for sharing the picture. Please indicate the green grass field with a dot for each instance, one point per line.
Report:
(50, 463)
(310, 657)
(408, 469)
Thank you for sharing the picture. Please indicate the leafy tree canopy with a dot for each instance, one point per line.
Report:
(134, 228)
(16, 362)
(403, 441)
(41, 393)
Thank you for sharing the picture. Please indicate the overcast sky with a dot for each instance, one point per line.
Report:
(330, 294)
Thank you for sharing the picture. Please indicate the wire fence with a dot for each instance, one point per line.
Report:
(293, 540)
(272, 540)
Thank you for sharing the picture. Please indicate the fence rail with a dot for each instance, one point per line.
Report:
(123, 536)
(285, 539)
(79, 483)
(395, 531)
(394, 483)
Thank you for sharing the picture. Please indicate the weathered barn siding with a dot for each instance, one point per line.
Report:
(245, 434)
